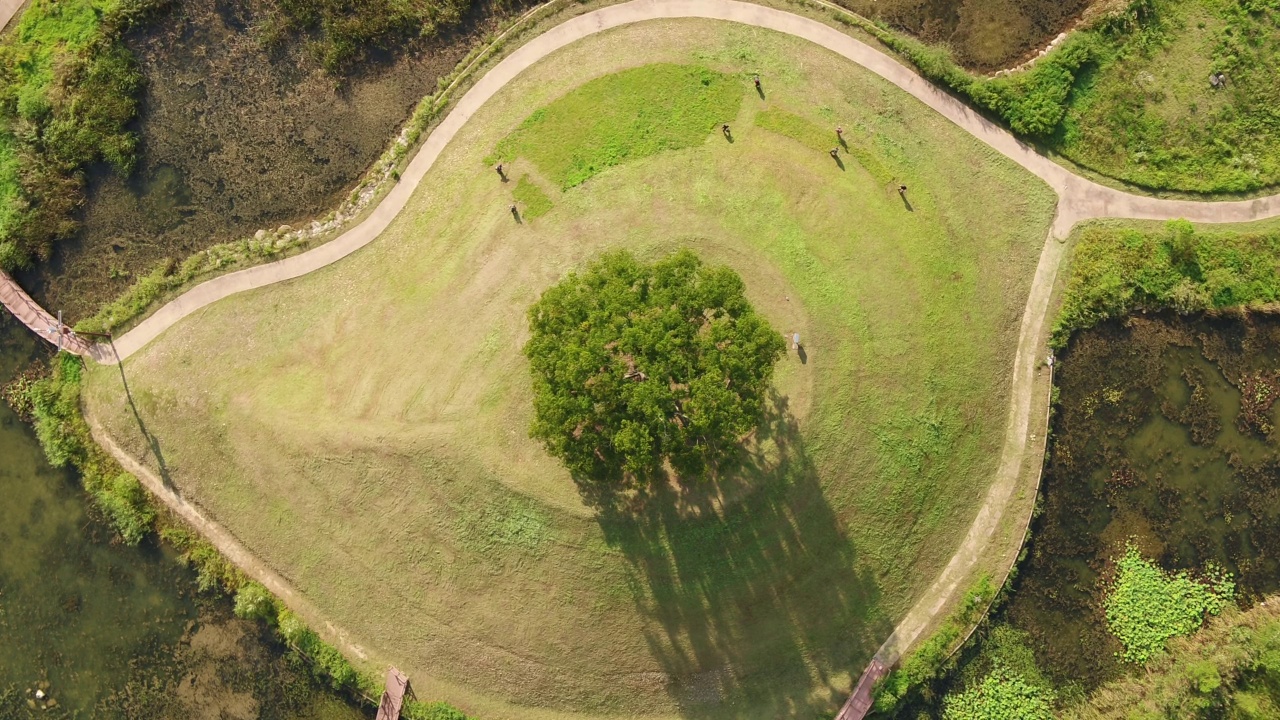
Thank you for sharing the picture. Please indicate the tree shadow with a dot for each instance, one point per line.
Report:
(751, 593)
(153, 444)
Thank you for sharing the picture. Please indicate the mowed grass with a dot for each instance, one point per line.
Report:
(628, 116)
(364, 429)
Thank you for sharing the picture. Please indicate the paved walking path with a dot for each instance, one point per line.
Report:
(1079, 199)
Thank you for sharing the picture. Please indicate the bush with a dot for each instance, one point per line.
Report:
(345, 30)
(1229, 669)
(636, 365)
(255, 602)
(934, 657)
(68, 90)
(213, 570)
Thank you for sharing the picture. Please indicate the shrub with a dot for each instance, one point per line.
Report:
(638, 365)
(68, 90)
(54, 403)
(932, 659)
(213, 570)
(255, 602)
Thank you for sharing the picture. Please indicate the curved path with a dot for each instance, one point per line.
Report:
(1079, 199)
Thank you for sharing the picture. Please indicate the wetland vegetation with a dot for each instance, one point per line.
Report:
(224, 119)
(1165, 94)
(107, 630)
(1159, 506)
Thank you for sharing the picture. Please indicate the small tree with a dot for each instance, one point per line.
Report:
(635, 366)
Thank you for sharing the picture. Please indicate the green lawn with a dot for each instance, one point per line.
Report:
(365, 429)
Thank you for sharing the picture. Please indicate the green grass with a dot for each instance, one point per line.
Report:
(1129, 96)
(1117, 268)
(369, 421)
(68, 90)
(1148, 115)
(534, 202)
(627, 116)
(816, 137)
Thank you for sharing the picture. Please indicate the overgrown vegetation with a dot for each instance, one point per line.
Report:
(52, 404)
(934, 657)
(1116, 270)
(1230, 670)
(629, 115)
(1002, 695)
(343, 32)
(1131, 97)
(636, 366)
(1145, 606)
(68, 89)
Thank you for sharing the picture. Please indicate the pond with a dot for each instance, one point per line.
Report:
(104, 630)
(1164, 436)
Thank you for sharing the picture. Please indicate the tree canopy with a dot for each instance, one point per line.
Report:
(636, 366)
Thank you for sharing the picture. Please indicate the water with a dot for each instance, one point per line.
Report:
(1164, 437)
(110, 631)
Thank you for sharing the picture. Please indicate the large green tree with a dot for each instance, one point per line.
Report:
(636, 366)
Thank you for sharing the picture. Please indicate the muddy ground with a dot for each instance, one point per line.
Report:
(984, 35)
(235, 136)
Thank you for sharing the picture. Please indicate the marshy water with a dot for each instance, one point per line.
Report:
(1164, 436)
(109, 631)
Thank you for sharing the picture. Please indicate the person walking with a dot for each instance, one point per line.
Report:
(835, 153)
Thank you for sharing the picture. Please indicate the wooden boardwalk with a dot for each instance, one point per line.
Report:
(859, 703)
(42, 323)
(393, 696)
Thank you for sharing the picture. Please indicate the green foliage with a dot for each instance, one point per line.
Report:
(637, 365)
(934, 657)
(414, 710)
(1002, 695)
(1145, 606)
(1230, 670)
(213, 570)
(1116, 270)
(1149, 115)
(341, 675)
(345, 31)
(625, 116)
(254, 602)
(54, 402)
(535, 202)
(68, 89)
(1130, 95)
